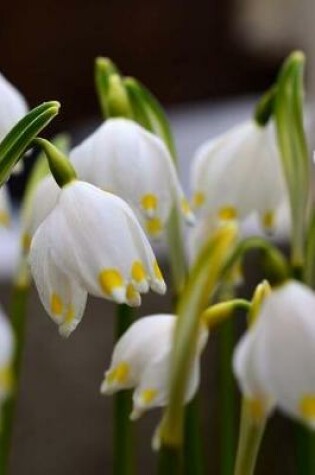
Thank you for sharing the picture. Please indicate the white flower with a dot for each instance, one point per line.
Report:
(6, 354)
(42, 202)
(274, 361)
(125, 159)
(239, 174)
(12, 106)
(141, 360)
(5, 211)
(90, 242)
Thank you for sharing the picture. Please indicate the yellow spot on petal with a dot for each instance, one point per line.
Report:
(198, 199)
(148, 395)
(157, 271)
(69, 314)
(307, 407)
(256, 409)
(110, 279)
(56, 304)
(149, 202)
(227, 213)
(154, 226)
(4, 218)
(119, 374)
(138, 272)
(6, 378)
(268, 220)
(26, 242)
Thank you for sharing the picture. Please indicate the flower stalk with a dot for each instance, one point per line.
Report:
(198, 290)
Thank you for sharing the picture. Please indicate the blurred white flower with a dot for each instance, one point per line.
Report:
(12, 105)
(42, 202)
(5, 208)
(125, 159)
(274, 361)
(6, 355)
(141, 360)
(239, 174)
(90, 242)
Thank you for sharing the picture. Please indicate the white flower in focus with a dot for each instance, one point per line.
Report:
(239, 174)
(125, 159)
(5, 211)
(12, 105)
(274, 361)
(141, 360)
(90, 242)
(42, 202)
(6, 355)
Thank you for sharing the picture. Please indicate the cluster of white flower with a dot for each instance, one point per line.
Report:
(85, 238)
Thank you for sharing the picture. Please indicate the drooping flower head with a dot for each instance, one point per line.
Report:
(239, 174)
(90, 242)
(125, 159)
(6, 354)
(141, 360)
(274, 361)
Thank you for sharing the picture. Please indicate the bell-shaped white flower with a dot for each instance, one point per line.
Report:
(90, 242)
(274, 361)
(125, 159)
(6, 355)
(239, 174)
(42, 202)
(12, 106)
(141, 360)
(5, 208)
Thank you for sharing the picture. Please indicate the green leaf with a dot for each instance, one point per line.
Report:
(18, 140)
(288, 110)
(155, 114)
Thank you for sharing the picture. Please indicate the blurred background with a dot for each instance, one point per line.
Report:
(207, 61)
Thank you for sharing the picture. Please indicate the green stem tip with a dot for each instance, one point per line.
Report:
(60, 166)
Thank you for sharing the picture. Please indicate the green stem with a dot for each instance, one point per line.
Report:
(250, 437)
(227, 398)
(18, 318)
(305, 451)
(193, 449)
(123, 433)
(170, 461)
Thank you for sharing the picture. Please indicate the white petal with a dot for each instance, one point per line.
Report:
(240, 171)
(138, 348)
(43, 201)
(123, 158)
(100, 242)
(153, 389)
(287, 320)
(12, 106)
(61, 295)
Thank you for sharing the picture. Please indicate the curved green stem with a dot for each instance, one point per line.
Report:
(251, 433)
(275, 264)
